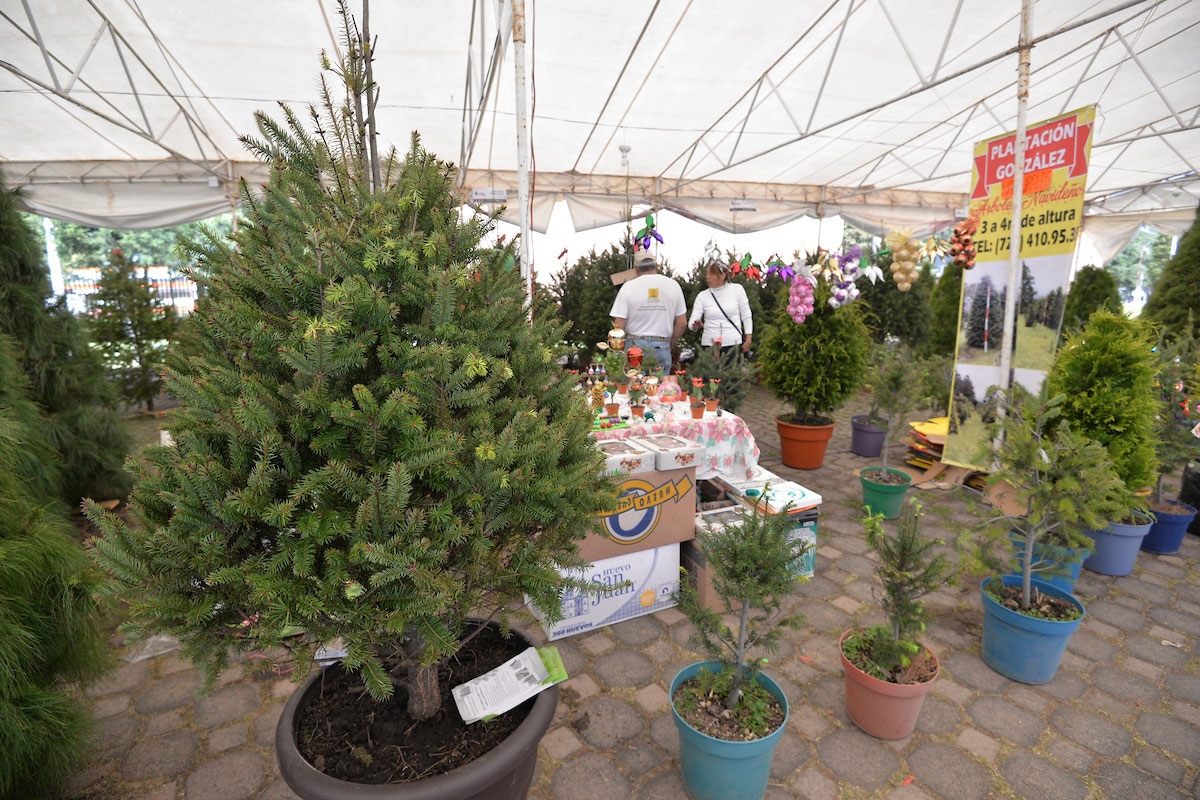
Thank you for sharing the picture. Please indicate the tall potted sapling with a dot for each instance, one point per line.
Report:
(868, 432)
(1107, 372)
(730, 715)
(1176, 443)
(888, 672)
(814, 366)
(373, 446)
(891, 381)
(1063, 484)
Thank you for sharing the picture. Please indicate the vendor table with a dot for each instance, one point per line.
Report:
(729, 444)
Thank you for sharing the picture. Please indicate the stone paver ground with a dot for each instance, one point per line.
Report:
(1120, 720)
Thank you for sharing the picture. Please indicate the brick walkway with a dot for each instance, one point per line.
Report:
(1120, 720)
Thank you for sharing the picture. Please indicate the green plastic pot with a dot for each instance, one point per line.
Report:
(884, 498)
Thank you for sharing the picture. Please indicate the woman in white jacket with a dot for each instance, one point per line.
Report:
(723, 311)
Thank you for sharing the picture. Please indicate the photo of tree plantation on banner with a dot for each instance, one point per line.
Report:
(1055, 176)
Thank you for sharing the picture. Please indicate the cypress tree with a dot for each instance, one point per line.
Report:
(1176, 295)
(904, 315)
(1028, 294)
(987, 316)
(374, 442)
(943, 311)
(131, 326)
(66, 377)
(49, 617)
(1092, 289)
(585, 295)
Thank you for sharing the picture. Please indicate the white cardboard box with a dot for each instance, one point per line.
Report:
(758, 478)
(671, 451)
(654, 578)
(626, 456)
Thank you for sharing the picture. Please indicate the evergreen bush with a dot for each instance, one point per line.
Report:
(944, 302)
(899, 315)
(1092, 289)
(375, 443)
(1175, 301)
(585, 295)
(131, 326)
(815, 366)
(66, 377)
(734, 371)
(1178, 387)
(1106, 372)
(49, 615)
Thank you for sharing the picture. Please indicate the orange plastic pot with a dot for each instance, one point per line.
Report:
(803, 446)
(710, 405)
(697, 411)
(882, 709)
(612, 408)
(637, 410)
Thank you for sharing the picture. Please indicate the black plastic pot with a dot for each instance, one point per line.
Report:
(866, 438)
(504, 773)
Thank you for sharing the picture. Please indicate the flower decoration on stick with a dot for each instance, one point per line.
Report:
(649, 231)
(697, 390)
(711, 389)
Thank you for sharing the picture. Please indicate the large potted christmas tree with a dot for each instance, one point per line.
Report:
(814, 365)
(373, 452)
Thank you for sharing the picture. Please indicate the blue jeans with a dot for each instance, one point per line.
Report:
(662, 349)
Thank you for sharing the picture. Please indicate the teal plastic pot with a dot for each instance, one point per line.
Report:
(884, 498)
(1116, 547)
(1166, 534)
(714, 769)
(1021, 648)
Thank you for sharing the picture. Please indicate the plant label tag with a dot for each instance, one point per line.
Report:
(329, 653)
(510, 684)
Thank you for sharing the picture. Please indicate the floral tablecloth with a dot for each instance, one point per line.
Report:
(730, 448)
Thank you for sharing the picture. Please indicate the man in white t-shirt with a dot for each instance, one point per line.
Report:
(651, 310)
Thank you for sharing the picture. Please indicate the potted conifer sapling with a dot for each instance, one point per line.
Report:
(729, 714)
(372, 448)
(869, 431)
(1063, 485)
(1176, 444)
(892, 387)
(888, 672)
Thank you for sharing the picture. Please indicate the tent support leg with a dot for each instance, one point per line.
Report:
(526, 253)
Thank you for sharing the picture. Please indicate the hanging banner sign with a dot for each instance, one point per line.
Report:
(1055, 177)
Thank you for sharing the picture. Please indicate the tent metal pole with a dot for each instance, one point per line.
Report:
(1014, 250)
(518, 22)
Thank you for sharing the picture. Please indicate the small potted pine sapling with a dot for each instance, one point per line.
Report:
(729, 713)
(1063, 485)
(1178, 386)
(888, 672)
(892, 387)
(869, 431)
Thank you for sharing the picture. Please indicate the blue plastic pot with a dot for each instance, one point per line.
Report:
(1166, 534)
(1021, 648)
(1046, 552)
(714, 769)
(1116, 547)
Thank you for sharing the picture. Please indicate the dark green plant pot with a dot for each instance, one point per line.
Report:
(884, 498)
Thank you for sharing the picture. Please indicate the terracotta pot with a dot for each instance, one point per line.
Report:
(882, 709)
(622, 388)
(503, 773)
(612, 409)
(697, 411)
(637, 410)
(710, 405)
(803, 446)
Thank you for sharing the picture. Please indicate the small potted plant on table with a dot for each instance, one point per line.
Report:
(697, 398)
(814, 366)
(1178, 387)
(710, 391)
(730, 715)
(892, 386)
(888, 672)
(636, 390)
(360, 453)
(1106, 373)
(1063, 484)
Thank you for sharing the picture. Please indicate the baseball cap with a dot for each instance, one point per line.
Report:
(645, 261)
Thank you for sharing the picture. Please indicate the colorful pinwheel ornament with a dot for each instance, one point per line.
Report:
(642, 238)
(746, 267)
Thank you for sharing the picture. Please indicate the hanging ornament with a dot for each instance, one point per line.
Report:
(962, 243)
(746, 267)
(712, 253)
(642, 238)
(905, 251)
(775, 264)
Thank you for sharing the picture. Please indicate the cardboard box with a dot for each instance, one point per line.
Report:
(780, 495)
(692, 559)
(758, 478)
(671, 451)
(627, 456)
(654, 581)
(656, 508)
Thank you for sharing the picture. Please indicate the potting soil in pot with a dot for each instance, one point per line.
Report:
(1041, 606)
(701, 702)
(879, 475)
(920, 669)
(346, 734)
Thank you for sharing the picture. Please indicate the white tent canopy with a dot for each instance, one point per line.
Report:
(126, 113)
